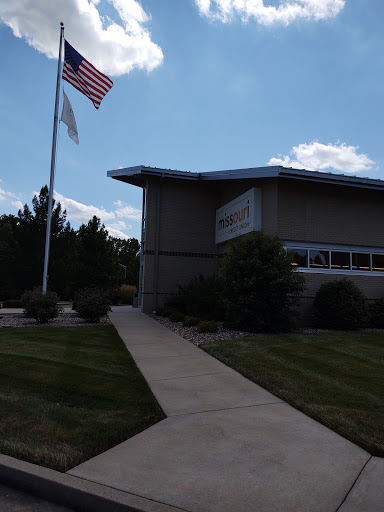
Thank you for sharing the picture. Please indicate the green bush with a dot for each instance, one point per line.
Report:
(127, 291)
(12, 303)
(91, 304)
(376, 313)
(40, 306)
(202, 297)
(190, 321)
(114, 296)
(340, 304)
(261, 287)
(207, 326)
(176, 317)
(163, 312)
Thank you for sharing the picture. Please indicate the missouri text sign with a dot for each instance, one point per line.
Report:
(239, 216)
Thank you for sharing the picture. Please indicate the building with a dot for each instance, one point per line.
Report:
(331, 224)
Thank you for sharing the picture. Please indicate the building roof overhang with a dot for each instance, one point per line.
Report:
(138, 176)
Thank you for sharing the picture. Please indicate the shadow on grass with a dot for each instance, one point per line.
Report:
(68, 394)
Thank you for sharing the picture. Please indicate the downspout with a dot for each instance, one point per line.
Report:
(157, 242)
(142, 243)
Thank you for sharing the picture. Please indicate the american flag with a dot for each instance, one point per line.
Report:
(85, 77)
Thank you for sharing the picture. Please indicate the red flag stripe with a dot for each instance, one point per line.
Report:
(72, 78)
(91, 83)
(84, 76)
(100, 76)
(84, 87)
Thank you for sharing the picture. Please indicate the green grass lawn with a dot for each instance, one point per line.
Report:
(337, 378)
(69, 393)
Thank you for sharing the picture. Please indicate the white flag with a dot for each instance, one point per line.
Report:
(68, 117)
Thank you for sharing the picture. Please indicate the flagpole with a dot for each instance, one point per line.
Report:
(53, 160)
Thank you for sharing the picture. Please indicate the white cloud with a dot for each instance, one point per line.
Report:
(81, 212)
(114, 48)
(319, 157)
(115, 229)
(284, 13)
(10, 198)
(127, 211)
(17, 204)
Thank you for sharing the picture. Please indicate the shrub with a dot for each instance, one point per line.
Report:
(127, 292)
(40, 306)
(163, 312)
(261, 286)
(12, 303)
(176, 317)
(91, 304)
(340, 304)
(114, 296)
(376, 313)
(207, 326)
(190, 321)
(202, 297)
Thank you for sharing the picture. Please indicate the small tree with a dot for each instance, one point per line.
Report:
(202, 297)
(40, 306)
(91, 304)
(261, 286)
(340, 304)
(376, 313)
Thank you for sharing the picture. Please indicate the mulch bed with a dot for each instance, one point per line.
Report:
(8, 320)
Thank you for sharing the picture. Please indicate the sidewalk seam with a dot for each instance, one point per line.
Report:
(226, 409)
(128, 493)
(187, 376)
(353, 484)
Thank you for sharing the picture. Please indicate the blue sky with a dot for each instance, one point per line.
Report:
(199, 85)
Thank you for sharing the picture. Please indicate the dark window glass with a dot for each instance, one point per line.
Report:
(298, 257)
(360, 261)
(319, 259)
(340, 260)
(378, 262)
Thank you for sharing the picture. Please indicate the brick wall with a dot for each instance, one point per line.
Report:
(292, 209)
(333, 214)
(186, 238)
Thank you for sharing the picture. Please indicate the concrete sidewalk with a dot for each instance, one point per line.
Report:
(227, 444)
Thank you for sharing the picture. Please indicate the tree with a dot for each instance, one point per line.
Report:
(98, 264)
(129, 256)
(262, 287)
(9, 256)
(31, 234)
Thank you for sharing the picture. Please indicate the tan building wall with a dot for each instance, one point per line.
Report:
(185, 242)
(180, 243)
(330, 214)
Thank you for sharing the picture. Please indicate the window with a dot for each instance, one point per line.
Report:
(340, 260)
(298, 257)
(318, 259)
(378, 262)
(329, 260)
(361, 261)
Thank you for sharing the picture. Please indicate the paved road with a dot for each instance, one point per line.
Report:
(12, 500)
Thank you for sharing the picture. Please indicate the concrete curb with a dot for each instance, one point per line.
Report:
(73, 492)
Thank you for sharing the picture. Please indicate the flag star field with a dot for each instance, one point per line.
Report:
(198, 85)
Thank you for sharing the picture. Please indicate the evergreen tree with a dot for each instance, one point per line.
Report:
(9, 257)
(129, 256)
(98, 260)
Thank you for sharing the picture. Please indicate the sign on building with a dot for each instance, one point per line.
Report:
(240, 216)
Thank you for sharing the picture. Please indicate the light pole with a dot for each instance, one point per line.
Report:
(125, 270)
